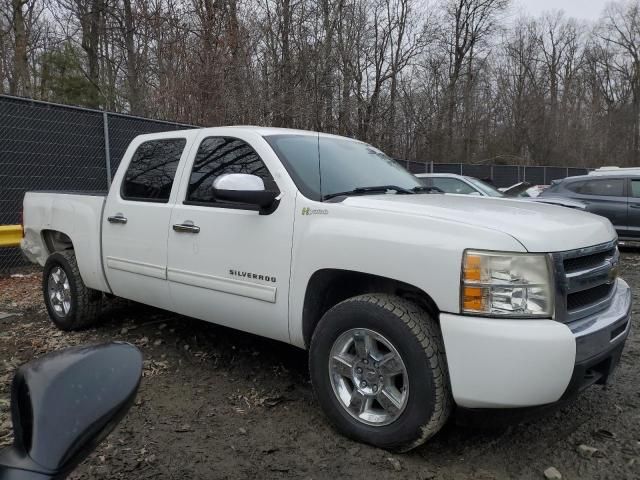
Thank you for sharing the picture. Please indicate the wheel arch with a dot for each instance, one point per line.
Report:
(328, 287)
(56, 241)
(89, 255)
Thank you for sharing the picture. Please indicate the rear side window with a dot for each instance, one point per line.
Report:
(217, 156)
(635, 188)
(152, 169)
(603, 187)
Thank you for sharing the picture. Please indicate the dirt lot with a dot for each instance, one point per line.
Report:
(216, 403)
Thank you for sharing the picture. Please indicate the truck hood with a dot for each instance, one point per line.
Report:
(538, 227)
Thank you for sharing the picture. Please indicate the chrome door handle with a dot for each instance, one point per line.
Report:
(117, 219)
(186, 228)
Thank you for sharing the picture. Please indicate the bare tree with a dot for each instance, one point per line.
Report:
(469, 23)
(621, 28)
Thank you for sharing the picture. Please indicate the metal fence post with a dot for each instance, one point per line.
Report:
(107, 153)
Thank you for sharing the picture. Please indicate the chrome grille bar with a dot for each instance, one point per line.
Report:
(580, 276)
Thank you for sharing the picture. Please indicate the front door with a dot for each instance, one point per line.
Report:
(136, 222)
(227, 263)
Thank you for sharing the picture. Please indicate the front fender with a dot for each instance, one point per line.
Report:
(418, 250)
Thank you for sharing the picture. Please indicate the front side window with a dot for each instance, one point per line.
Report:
(322, 166)
(603, 187)
(635, 188)
(453, 185)
(152, 169)
(217, 156)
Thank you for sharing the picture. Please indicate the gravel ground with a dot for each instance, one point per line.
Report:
(216, 403)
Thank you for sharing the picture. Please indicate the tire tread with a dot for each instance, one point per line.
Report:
(427, 332)
(87, 302)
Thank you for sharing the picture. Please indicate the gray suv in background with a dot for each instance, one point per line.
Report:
(615, 196)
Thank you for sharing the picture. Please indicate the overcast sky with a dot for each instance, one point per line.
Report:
(582, 9)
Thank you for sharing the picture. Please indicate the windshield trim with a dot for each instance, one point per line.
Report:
(299, 183)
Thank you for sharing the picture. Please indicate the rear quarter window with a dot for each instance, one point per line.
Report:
(572, 187)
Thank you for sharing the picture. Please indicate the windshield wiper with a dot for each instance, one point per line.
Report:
(426, 189)
(363, 190)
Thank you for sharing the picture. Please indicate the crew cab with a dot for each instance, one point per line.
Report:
(412, 303)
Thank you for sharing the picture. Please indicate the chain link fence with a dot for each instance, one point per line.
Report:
(500, 175)
(45, 146)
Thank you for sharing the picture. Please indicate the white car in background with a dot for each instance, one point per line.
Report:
(524, 190)
(465, 185)
(603, 171)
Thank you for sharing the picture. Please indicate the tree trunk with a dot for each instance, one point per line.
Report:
(21, 84)
(133, 84)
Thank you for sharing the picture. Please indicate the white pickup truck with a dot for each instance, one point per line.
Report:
(411, 303)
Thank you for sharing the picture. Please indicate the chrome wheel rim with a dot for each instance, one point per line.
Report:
(59, 292)
(369, 377)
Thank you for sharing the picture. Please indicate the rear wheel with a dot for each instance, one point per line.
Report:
(378, 367)
(70, 303)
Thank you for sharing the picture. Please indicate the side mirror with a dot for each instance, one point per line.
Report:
(244, 188)
(64, 404)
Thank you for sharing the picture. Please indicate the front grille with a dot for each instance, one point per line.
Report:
(584, 280)
(590, 296)
(588, 261)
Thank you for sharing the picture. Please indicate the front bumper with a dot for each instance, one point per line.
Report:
(513, 364)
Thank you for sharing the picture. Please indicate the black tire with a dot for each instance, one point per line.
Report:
(85, 303)
(418, 340)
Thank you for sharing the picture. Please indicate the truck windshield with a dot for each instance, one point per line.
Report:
(322, 166)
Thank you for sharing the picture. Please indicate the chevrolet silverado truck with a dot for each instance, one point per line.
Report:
(412, 304)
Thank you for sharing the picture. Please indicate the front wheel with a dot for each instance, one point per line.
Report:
(379, 371)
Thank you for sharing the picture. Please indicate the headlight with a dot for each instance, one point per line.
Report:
(506, 284)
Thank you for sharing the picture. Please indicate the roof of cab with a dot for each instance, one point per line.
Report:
(267, 131)
(262, 131)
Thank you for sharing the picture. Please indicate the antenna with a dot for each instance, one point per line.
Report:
(319, 167)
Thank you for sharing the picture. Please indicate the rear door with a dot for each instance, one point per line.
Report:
(136, 220)
(604, 196)
(633, 212)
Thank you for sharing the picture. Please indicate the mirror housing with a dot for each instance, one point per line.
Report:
(245, 188)
(65, 403)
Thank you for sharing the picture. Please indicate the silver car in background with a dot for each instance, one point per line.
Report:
(464, 185)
